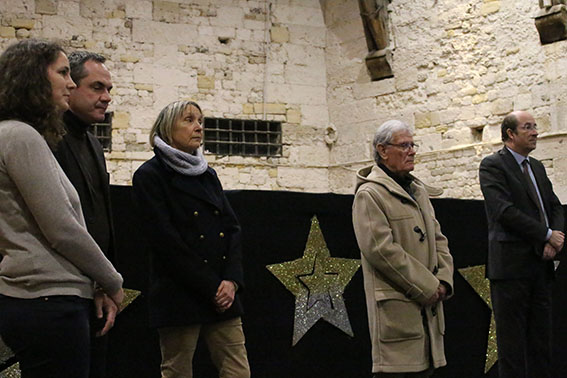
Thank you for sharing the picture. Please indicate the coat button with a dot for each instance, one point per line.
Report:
(202, 237)
(216, 212)
(221, 234)
(196, 213)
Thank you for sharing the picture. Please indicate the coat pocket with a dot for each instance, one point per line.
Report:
(399, 318)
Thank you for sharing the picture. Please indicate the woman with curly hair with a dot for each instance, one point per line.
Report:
(49, 263)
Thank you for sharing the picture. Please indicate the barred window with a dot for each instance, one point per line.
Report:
(103, 131)
(242, 137)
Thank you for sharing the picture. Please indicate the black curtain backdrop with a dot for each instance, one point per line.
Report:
(275, 229)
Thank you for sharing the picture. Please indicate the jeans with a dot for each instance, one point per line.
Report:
(48, 335)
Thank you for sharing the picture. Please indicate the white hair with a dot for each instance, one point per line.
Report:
(384, 135)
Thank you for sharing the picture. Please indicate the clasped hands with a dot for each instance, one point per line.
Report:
(224, 296)
(553, 245)
(438, 296)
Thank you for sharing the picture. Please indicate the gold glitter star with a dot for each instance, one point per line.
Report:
(13, 371)
(474, 275)
(317, 281)
(129, 297)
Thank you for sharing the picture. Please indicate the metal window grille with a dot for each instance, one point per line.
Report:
(103, 131)
(242, 137)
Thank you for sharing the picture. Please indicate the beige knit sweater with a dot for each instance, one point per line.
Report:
(45, 246)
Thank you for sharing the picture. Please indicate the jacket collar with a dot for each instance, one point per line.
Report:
(74, 125)
(514, 167)
(404, 181)
(195, 186)
(79, 129)
(376, 175)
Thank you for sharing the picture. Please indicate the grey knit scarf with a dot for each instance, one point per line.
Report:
(179, 161)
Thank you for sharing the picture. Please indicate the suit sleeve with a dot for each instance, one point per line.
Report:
(500, 205)
(377, 244)
(554, 209)
(184, 265)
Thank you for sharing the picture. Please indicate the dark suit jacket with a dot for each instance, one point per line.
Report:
(194, 240)
(68, 157)
(515, 234)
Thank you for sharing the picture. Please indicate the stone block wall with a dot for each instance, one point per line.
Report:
(459, 67)
(242, 59)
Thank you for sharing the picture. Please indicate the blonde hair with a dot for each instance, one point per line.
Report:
(168, 116)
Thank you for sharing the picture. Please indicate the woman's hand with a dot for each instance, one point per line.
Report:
(225, 295)
(105, 309)
(117, 297)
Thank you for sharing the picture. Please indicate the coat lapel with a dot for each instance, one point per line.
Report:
(541, 177)
(515, 169)
(194, 187)
(96, 148)
(75, 153)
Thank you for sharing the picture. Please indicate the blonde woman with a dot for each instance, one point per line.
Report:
(194, 237)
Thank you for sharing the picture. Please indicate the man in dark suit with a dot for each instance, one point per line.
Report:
(526, 223)
(81, 157)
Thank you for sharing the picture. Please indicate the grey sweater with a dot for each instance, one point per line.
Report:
(45, 247)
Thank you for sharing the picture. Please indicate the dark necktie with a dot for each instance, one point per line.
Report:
(532, 188)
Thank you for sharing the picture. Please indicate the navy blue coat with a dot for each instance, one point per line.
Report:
(195, 243)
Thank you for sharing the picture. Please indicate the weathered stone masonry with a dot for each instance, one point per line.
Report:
(459, 67)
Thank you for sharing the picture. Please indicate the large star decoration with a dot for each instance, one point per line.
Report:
(474, 275)
(317, 281)
(13, 371)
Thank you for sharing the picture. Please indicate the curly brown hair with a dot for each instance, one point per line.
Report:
(25, 90)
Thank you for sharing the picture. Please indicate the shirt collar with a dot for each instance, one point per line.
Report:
(519, 158)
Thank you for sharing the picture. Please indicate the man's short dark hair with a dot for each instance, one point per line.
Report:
(510, 122)
(77, 60)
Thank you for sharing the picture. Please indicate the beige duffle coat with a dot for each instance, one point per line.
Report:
(401, 272)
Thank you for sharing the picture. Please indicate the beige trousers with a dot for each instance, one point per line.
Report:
(225, 341)
(422, 374)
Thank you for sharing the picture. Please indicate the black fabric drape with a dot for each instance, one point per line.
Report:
(275, 228)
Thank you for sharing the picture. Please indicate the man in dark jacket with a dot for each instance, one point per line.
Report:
(526, 224)
(81, 157)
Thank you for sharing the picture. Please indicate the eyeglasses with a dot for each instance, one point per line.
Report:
(405, 146)
(529, 126)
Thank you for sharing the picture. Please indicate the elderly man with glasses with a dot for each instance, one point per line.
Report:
(407, 267)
